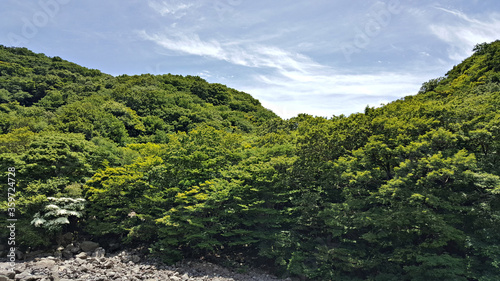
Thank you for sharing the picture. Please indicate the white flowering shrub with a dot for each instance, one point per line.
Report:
(57, 212)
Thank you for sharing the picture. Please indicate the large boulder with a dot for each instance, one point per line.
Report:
(88, 246)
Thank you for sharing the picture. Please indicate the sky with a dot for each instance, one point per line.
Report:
(318, 57)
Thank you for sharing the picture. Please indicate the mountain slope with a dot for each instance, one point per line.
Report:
(407, 191)
(143, 107)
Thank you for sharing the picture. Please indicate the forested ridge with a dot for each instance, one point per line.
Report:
(190, 169)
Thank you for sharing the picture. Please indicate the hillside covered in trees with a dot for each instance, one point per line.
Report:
(407, 191)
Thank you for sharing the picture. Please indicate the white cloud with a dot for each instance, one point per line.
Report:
(463, 32)
(235, 52)
(327, 92)
(294, 83)
(169, 7)
(191, 45)
(205, 74)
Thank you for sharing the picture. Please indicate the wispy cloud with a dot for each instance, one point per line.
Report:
(170, 7)
(462, 32)
(295, 83)
(328, 92)
(235, 52)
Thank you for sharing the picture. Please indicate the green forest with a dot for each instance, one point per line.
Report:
(190, 169)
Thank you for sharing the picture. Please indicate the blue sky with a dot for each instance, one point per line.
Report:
(318, 57)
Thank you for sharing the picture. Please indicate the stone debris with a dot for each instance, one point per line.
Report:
(97, 265)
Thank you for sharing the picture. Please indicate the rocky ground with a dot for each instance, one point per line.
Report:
(91, 263)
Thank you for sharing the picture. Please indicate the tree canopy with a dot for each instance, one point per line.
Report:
(190, 169)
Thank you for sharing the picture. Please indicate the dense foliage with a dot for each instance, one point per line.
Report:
(407, 191)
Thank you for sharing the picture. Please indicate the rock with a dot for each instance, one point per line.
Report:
(34, 254)
(89, 246)
(55, 275)
(8, 273)
(72, 248)
(85, 277)
(122, 267)
(99, 253)
(44, 263)
(19, 255)
(35, 278)
(135, 259)
(108, 264)
(58, 254)
(67, 254)
(125, 257)
(20, 267)
(23, 276)
(81, 255)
